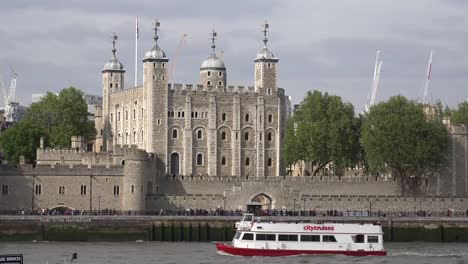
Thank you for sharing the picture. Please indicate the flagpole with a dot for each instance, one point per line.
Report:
(136, 52)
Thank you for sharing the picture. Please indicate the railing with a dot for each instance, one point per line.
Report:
(239, 213)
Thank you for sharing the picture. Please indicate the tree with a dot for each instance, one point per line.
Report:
(460, 115)
(398, 135)
(322, 130)
(62, 116)
(21, 139)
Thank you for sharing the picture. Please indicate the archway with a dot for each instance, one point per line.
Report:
(260, 201)
(175, 163)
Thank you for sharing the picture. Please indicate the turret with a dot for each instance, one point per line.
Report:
(265, 68)
(112, 81)
(213, 70)
(155, 95)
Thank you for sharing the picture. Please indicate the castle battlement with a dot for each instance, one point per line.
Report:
(127, 92)
(63, 170)
(178, 87)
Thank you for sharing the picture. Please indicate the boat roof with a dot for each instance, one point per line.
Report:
(332, 228)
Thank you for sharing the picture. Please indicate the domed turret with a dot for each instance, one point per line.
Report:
(264, 54)
(155, 53)
(213, 69)
(113, 64)
(265, 67)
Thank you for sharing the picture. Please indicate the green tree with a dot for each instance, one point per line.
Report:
(397, 134)
(21, 139)
(62, 116)
(322, 130)
(460, 115)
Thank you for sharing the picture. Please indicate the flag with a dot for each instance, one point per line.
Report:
(137, 31)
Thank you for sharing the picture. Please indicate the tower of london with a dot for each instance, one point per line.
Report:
(210, 128)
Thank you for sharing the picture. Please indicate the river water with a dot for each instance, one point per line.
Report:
(192, 252)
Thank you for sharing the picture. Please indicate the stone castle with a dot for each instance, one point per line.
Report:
(211, 145)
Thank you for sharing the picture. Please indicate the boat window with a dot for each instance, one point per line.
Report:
(310, 238)
(247, 236)
(329, 239)
(287, 237)
(248, 218)
(237, 236)
(372, 239)
(359, 239)
(269, 237)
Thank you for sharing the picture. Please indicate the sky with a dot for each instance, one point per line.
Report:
(322, 45)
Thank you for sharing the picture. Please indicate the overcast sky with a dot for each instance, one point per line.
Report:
(325, 45)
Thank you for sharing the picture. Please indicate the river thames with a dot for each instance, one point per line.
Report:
(192, 252)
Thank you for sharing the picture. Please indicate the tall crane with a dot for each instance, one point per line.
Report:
(10, 99)
(182, 44)
(375, 81)
(427, 79)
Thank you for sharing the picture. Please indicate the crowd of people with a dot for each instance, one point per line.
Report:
(223, 212)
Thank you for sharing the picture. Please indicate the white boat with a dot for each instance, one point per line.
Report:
(254, 238)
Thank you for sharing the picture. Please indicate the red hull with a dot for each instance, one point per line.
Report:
(284, 252)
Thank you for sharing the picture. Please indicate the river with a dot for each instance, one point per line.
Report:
(192, 252)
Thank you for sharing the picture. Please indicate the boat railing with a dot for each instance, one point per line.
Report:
(245, 223)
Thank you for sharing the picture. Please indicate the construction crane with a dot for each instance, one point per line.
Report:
(427, 79)
(10, 98)
(375, 81)
(182, 44)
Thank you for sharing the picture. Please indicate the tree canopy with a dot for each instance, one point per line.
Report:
(398, 135)
(460, 115)
(322, 130)
(56, 117)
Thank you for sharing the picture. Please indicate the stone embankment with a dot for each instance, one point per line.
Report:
(207, 228)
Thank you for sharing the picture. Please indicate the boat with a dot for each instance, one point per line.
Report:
(255, 238)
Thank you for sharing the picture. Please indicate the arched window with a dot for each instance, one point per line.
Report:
(223, 161)
(220, 73)
(141, 136)
(126, 115)
(101, 132)
(199, 159)
(174, 133)
(209, 74)
(220, 83)
(269, 162)
(269, 136)
(223, 117)
(269, 91)
(223, 135)
(134, 113)
(246, 136)
(247, 162)
(111, 85)
(247, 118)
(199, 134)
(270, 118)
(208, 83)
(134, 137)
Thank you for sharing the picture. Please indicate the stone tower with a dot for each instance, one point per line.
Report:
(265, 68)
(213, 70)
(112, 81)
(155, 96)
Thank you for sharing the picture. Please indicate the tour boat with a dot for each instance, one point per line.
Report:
(255, 238)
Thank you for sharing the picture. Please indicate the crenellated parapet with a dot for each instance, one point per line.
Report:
(178, 87)
(70, 170)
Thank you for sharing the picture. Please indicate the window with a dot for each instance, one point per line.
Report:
(247, 161)
(61, 190)
(269, 136)
(134, 113)
(141, 136)
(223, 117)
(159, 121)
(174, 133)
(246, 136)
(38, 189)
(209, 74)
(310, 238)
(208, 83)
(111, 85)
(372, 239)
(116, 189)
(116, 85)
(4, 189)
(199, 159)
(220, 83)
(237, 236)
(269, 65)
(269, 91)
(83, 189)
(134, 137)
(164, 65)
(199, 134)
(247, 236)
(101, 132)
(133, 188)
(126, 115)
(112, 117)
(268, 237)
(329, 239)
(269, 162)
(247, 118)
(220, 74)
(154, 65)
(223, 161)
(358, 238)
(260, 136)
(223, 135)
(270, 118)
(287, 237)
